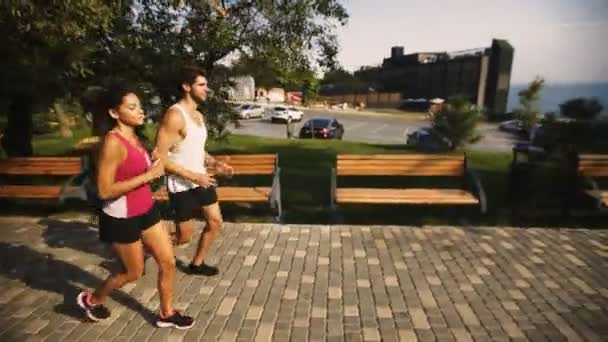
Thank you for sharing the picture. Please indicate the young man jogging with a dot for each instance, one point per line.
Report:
(180, 141)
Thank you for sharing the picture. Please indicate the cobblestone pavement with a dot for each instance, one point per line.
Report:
(319, 283)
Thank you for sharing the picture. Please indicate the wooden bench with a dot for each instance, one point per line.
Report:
(43, 167)
(406, 165)
(590, 167)
(247, 165)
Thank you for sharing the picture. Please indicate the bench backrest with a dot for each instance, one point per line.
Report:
(593, 165)
(52, 166)
(249, 164)
(399, 165)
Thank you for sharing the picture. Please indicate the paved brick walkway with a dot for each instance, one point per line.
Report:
(320, 283)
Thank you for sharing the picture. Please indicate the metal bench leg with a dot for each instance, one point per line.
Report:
(79, 192)
(275, 196)
(337, 216)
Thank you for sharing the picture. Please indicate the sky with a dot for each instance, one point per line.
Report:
(563, 41)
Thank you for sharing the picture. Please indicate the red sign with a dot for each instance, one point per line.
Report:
(294, 97)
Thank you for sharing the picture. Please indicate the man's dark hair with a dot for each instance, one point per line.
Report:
(188, 75)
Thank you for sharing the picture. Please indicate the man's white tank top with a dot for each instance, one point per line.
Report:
(188, 153)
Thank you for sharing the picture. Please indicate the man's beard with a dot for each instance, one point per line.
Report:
(197, 99)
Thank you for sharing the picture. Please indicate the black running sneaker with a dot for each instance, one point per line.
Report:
(177, 320)
(203, 269)
(94, 312)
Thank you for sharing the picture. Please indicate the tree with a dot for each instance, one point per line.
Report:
(337, 76)
(371, 76)
(55, 48)
(582, 133)
(456, 121)
(581, 108)
(340, 81)
(265, 75)
(292, 37)
(528, 111)
(46, 49)
(310, 91)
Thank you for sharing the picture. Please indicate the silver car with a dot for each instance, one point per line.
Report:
(248, 111)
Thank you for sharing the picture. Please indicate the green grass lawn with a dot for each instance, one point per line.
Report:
(397, 111)
(305, 182)
(54, 145)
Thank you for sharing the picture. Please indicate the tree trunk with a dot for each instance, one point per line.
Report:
(17, 139)
(99, 124)
(63, 119)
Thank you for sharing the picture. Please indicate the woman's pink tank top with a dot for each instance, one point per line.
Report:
(139, 200)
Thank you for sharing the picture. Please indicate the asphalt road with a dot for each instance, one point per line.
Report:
(375, 128)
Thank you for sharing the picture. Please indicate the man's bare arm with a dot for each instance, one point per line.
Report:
(221, 166)
(209, 160)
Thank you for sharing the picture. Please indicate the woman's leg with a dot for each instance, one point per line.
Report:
(132, 258)
(157, 241)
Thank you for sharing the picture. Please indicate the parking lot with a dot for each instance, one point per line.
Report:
(375, 129)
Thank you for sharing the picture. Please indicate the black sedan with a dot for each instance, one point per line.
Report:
(322, 128)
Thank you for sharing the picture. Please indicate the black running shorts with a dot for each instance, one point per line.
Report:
(126, 230)
(187, 204)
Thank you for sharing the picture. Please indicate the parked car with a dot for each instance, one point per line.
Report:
(248, 111)
(296, 112)
(427, 139)
(284, 113)
(417, 105)
(512, 126)
(500, 117)
(322, 128)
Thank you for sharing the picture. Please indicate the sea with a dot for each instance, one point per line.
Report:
(552, 95)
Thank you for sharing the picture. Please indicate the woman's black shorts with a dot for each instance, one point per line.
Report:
(126, 230)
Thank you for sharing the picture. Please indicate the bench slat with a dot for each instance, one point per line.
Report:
(344, 157)
(41, 170)
(400, 162)
(231, 194)
(31, 191)
(40, 159)
(594, 171)
(593, 157)
(404, 196)
(399, 165)
(596, 162)
(249, 164)
(363, 170)
(248, 158)
(244, 194)
(60, 166)
(593, 165)
(240, 170)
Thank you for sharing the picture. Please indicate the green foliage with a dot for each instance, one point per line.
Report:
(47, 45)
(457, 121)
(55, 48)
(340, 81)
(581, 108)
(279, 43)
(311, 90)
(265, 74)
(371, 76)
(528, 111)
(563, 138)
